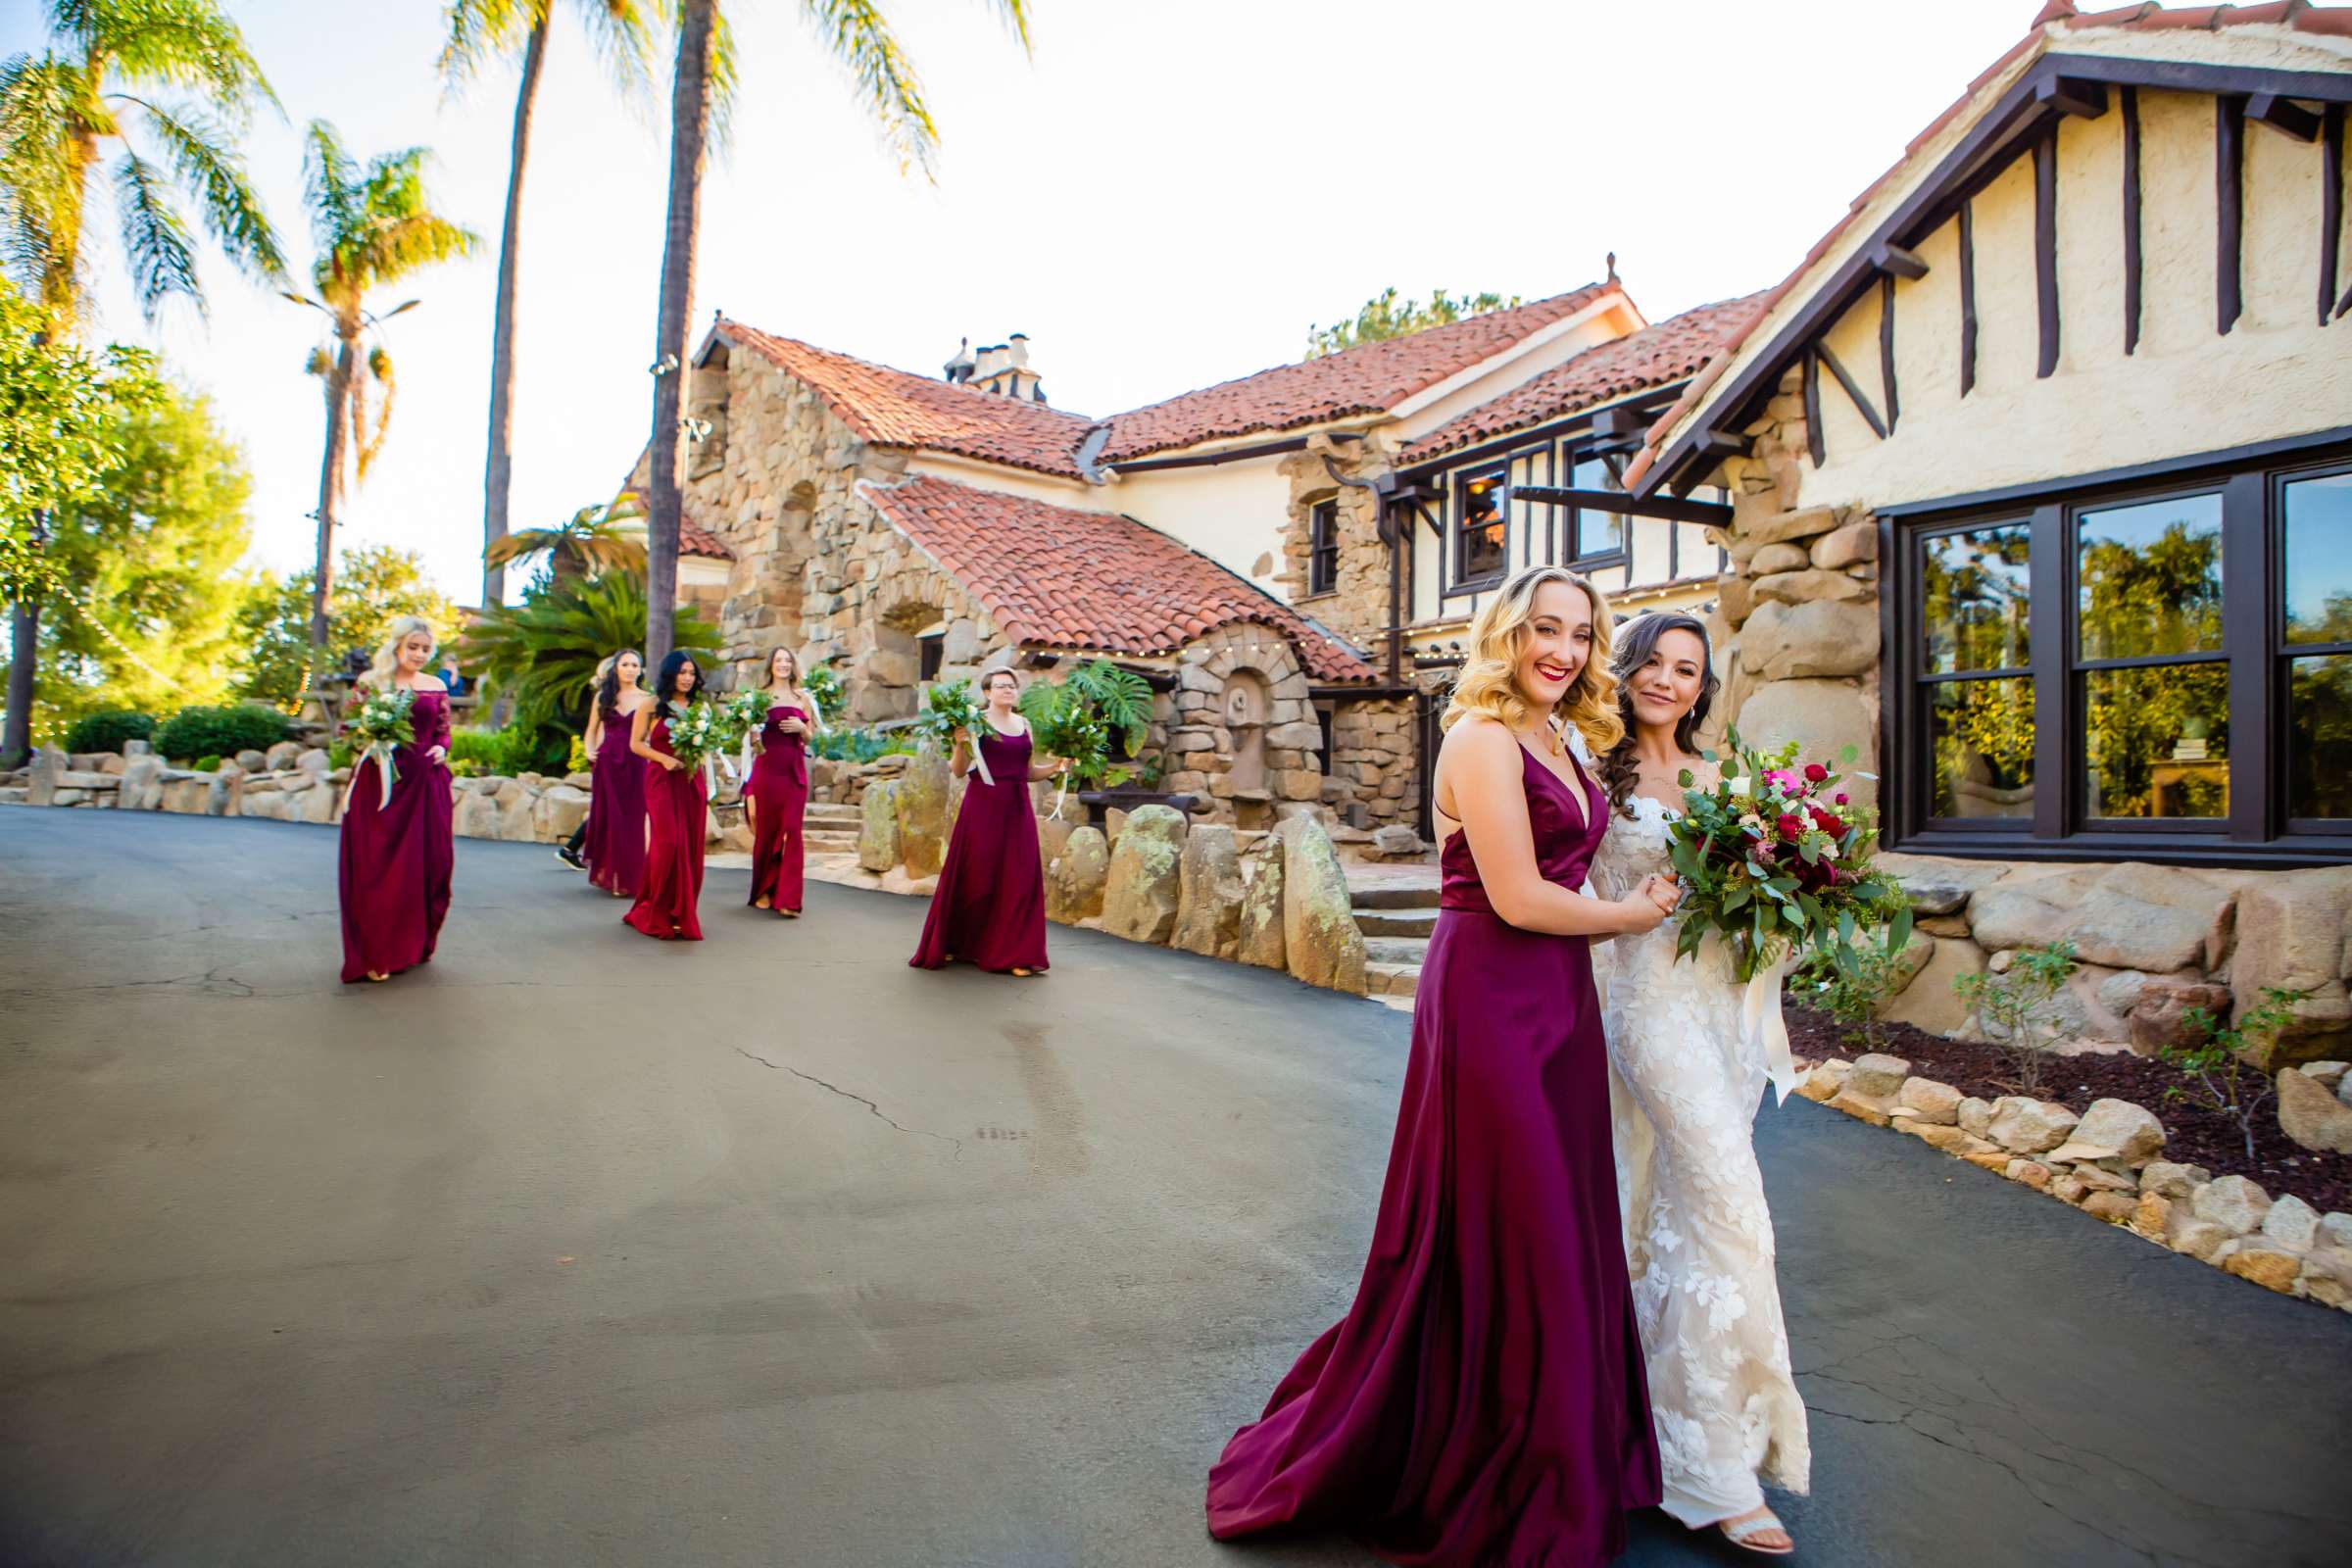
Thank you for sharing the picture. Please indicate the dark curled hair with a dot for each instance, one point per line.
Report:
(1636, 641)
(666, 683)
(607, 688)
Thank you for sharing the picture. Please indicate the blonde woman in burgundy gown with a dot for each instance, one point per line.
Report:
(1483, 1403)
(397, 847)
(1698, 1236)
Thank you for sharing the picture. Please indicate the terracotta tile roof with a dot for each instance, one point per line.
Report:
(2300, 16)
(900, 408)
(1655, 356)
(696, 540)
(1057, 577)
(1366, 379)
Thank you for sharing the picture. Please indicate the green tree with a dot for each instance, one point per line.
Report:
(479, 32)
(372, 586)
(374, 227)
(1386, 316)
(859, 38)
(589, 543)
(151, 599)
(165, 88)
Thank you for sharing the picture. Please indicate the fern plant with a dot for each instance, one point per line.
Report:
(1082, 717)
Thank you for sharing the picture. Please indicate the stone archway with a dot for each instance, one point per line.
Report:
(1244, 706)
(1245, 735)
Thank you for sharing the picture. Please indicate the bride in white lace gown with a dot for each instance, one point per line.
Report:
(1685, 1092)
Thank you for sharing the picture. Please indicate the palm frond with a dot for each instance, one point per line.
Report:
(318, 362)
(371, 438)
(209, 165)
(545, 650)
(726, 80)
(330, 188)
(861, 40)
(621, 33)
(475, 32)
(1017, 21)
(43, 107)
(154, 237)
(183, 43)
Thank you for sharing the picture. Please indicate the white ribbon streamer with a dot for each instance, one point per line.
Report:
(980, 760)
(381, 754)
(1762, 1028)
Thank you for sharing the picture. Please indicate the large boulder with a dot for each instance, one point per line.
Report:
(142, 787)
(225, 794)
(2235, 1203)
(1054, 826)
(2131, 916)
(2312, 1115)
(1816, 638)
(561, 811)
(515, 803)
(322, 803)
(2160, 1011)
(878, 826)
(1929, 1002)
(1260, 934)
(2024, 1125)
(1208, 906)
(45, 776)
(2123, 1130)
(476, 815)
(2291, 935)
(281, 756)
(1937, 884)
(1320, 938)
(1139, 899)
(186, 793)
(1075, 881)
(922, 805)
(1824, 717)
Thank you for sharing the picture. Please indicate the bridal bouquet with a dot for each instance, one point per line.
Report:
(1772, 859)
(381, 725)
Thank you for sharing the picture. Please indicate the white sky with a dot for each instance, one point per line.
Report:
(1167, 196)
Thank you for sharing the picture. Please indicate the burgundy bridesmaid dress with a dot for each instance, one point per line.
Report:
(1484, 1400)
(396, 861)
(615, 847)
(989, 908)
(779, 792)
(676, 811)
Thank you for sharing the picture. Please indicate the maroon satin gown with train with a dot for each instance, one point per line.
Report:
(398, 851)
(615, 844)
(778, 789)
(677, 812)
(989, 906)
(1484, 1400)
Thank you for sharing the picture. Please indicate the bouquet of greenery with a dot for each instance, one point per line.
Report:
(746, 715)
(823, 687)
(376, 732)
(700, 733)
(1772, 859)
(949, 706)
(1080, 718)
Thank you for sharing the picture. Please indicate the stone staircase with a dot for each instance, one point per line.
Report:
(830, 829)
(1396, 908)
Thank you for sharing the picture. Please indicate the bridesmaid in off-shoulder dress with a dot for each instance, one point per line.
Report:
(398, 850)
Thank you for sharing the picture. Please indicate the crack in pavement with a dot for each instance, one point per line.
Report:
(922, 1132)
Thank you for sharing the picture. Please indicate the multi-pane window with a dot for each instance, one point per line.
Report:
(2174, 659)
(1481, 549)
(1323, 547)
(1598, 533)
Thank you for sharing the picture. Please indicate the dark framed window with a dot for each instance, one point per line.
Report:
(1481, 535)
(931, 650)
(2161, 668)
(1599, 537)
(1323, 547)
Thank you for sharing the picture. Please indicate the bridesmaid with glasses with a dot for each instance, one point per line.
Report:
(776, 796)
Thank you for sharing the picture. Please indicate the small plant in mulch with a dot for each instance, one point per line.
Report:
(1852, 993)
(2007, 1003)
(2220, 1078)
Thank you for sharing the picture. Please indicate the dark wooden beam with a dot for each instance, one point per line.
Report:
(1622, 420)
(1886, 350)
(1813, 440)
(1895, 261)
(2045, 251)
(2331, 205)
(1968, 300)
(2230, 198)
(2283, 113)
(1712, 512)
(1719, 444)
(2131, 219)
(2071, 95)
(1870, 415)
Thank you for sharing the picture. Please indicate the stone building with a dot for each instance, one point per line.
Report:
(1256, 547)
(2041, 468)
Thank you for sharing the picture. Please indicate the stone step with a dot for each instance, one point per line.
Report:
(1392, 979)
(1378, 922)
(1395, 949)
(823, 842)
(1404, 897)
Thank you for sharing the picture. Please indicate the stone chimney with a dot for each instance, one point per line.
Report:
(959, 367)
(1004, 370)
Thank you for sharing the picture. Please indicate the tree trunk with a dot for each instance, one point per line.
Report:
(498, 471)
(331, 491)
(24, 648)
(689, 121)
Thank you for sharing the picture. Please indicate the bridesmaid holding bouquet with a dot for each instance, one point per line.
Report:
(398, 846)
(612, 842)
(677, 810)
(776, 796)
(1482, 1401)
(989, 906)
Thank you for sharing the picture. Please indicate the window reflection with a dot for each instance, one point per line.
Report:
(2149, 578)
(1598, 533)
(1976, 593)
(2157, 741)
(1479, 539)
(2318, 737)
(1982, 736)
(2319, 559)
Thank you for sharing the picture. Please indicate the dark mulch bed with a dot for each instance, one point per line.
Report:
(2193, 1136)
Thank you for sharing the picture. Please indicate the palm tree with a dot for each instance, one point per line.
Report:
(61, 114)
(373, 227)
(859, 38)
(592, 542)
(480, 31)
(544, 654)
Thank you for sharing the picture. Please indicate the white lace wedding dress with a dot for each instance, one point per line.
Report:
(1698, 1237)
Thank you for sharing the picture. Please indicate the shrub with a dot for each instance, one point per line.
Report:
(2007, 1003)
(1852, 996)
(206, 764)
(823, 685)
(338, 753)
(519, 747)
(2219, 1077)
(860, 745)
(107, 731)
(220, 731)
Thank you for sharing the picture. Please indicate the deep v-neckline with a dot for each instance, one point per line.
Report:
(1581, 789)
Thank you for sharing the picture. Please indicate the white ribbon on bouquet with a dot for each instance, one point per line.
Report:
(980, 755)
(382, 754)
(1762, 1028)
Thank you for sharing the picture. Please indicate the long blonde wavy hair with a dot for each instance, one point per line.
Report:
(1489, 680)
(388, 658)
